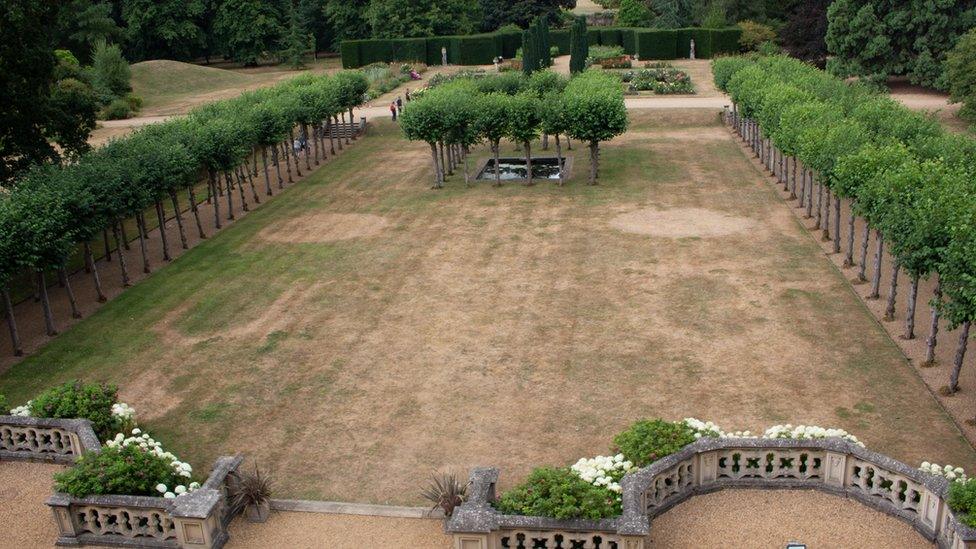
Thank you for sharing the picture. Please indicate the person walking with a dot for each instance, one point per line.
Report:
(399, 104)
(393, 110)
(408, 95)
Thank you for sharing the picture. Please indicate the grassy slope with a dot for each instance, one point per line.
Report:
(365, 353)
(160, 81)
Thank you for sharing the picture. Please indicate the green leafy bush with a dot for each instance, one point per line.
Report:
(558, 493)
(961, 71)
(598, 53)
(128, 470)
(4, 407)
(76, 400)
(962, 500)
(649, 440)
(117, 109)
(754, 34)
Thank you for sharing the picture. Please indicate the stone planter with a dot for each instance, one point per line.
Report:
(197, 520)
(258, 512)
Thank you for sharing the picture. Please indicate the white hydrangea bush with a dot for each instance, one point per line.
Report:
(148, 444)
(710, 429)
(120, 410)
(803, 432)
(604, 471)
(22, 411)
(949, 472)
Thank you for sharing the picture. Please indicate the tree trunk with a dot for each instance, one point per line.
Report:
(849, 258)
(836, 224)
(276, 160)
(240, 188)
(593, 161)
(960, 355)
(46, 305)
(125, 272)
(108, 249)
(308, 149)
(93, 269)
(214, 183)
(141, 229)
(350, 126)
(445, 167)
(826, 219)
(810, 186)
(450, 157)
(338, 131)
(876, 279)
(910, 313)
(352, 122)
(250, 182)
(528, 162)
(437, 169)
(331, 129)
(11, 323)
(862, 273)
(889, 313)
(820, 195)
(315, 142)
(545, 141)
(196, 212)
(803, 188)
(559, 159)
(288, 152)
(162, 230)
(789, 161)
(933, 338)
(179, 219)
(125, 237)
(467, 179)
(230, 195)
(498, 176)
(63, 278)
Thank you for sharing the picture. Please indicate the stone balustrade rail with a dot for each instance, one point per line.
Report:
(832, 465)
(46, 439)
(196, 520)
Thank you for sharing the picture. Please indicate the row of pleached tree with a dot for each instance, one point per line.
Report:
(488, 108)
(913, 184)
(56, 212)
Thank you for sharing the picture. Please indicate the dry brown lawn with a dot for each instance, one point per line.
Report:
(362, 330)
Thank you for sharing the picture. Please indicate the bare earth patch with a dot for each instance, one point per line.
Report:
(681, 223)
(324, 227)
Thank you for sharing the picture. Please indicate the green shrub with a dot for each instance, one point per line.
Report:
(657, 43)
(4, 407)
(111, 75)
(724, 67)
(90, 401)
(754, 34)
(117, 109)
(558, 493)
(962, 500)
(128, 470)
(961, 71)
(134, 101)
(599, 53)
(649, 440)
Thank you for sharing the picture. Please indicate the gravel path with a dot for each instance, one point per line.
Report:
(26, 521)
(763, 519)
(297, 530)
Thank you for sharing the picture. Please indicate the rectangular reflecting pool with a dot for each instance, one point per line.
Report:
(514, 168)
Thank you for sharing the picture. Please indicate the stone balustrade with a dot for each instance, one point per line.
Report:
(196, 520)
(835, 466)
(45, 439)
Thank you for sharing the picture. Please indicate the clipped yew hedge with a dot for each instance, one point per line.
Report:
(481, 49)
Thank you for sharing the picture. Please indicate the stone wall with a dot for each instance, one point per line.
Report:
(45, 439)
(710, 464)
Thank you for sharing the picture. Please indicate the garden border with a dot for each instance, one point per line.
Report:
(831, 465)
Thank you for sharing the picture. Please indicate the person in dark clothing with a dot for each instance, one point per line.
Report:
(393, 110)
(408, 95)
(399, 104)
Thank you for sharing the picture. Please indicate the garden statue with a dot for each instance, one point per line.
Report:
(443, 56)
(691, 49)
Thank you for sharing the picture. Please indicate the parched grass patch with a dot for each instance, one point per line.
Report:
(513, 327)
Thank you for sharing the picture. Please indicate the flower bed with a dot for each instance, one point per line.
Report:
(660, 80)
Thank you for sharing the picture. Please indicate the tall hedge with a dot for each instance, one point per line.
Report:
(480, 49)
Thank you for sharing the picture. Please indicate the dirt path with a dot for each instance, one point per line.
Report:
(27, 521)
